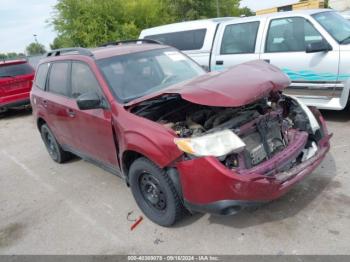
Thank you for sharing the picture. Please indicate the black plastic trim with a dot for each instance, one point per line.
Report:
(23, 102)
(107, 167)
(222, 207)
(79, 50)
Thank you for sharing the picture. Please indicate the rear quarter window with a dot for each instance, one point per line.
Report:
(184, 40)
(41, 75)
(15, 70)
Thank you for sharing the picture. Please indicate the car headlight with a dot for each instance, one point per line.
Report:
(216, 144)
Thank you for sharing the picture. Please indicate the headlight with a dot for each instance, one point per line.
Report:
(312, 119)
(216, 144)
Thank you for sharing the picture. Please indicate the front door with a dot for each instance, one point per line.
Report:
(91, 129)
(312, 74)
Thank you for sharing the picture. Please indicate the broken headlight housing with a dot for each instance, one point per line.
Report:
(215, 144)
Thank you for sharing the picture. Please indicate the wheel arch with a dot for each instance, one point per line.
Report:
(130, 156)
(40, 122)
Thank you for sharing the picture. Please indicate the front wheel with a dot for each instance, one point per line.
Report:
(155, 193)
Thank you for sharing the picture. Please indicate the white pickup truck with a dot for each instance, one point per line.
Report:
(311, 46)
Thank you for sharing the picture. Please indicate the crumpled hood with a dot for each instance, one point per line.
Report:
(237, 86)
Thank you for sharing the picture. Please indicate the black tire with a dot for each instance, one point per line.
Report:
(53, 147)
(155, 193)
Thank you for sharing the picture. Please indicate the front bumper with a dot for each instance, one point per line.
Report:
(208, 186)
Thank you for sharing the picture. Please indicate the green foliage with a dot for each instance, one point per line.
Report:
(35, 49)
(89, 23)
(12, 55)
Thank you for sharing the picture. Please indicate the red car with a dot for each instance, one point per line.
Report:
(182, 139)
(16, 78)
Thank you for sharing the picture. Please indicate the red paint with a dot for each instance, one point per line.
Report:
(231, 88)
(137, 222)
(15, 90)
(203, 180)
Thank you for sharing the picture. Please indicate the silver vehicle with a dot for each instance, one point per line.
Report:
(311, 46)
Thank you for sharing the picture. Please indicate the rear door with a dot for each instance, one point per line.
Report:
(237, 42)
(91, 129)
(57, 102)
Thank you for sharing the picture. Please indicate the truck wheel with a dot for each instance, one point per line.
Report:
(55, 150)
(155, 193)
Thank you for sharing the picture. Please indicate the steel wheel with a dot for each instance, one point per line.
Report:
(152, 192)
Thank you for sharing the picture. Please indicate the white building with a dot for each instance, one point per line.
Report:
(340, 5)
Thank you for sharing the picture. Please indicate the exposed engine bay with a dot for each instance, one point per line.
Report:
(266, 127)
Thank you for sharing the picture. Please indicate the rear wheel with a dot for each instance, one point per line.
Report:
(155, 193)
(55, 150)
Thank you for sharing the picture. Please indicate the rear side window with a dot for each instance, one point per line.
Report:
(239, 38)
(58, 79)
(83, 80)
(15, 70)
(184, 40)
(40, 77)
(290, 34)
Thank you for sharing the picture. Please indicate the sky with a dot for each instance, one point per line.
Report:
(20, 19)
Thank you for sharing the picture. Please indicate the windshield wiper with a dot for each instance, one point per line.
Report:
(344, 40)
(150, 103)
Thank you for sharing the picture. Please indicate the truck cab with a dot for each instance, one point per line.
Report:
(310, 46)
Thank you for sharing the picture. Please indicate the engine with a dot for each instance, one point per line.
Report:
(263, 126)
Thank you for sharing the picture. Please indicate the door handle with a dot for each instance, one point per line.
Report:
(219, 62)
(267, 60)
(70, 112)
(45, 103)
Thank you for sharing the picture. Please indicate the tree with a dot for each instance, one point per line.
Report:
(11, 55)
(35, 49)
(89, 23)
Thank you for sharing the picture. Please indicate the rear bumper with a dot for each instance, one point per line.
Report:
(14, 101)
(208, 186)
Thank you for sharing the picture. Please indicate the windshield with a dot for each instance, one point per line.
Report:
(135, 75)
(336, 25)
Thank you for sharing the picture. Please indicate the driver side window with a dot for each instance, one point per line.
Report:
(83, 80)
(290, 34)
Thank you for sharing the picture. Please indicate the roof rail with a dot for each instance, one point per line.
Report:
(79, 50)
(149, 41)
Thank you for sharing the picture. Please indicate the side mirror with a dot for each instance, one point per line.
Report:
(319, 46)
(89, 100)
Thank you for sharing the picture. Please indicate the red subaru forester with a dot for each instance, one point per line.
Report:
(182, 139)
(16, 78)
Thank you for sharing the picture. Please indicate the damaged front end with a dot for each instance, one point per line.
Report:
(240, 155)
(243, 140)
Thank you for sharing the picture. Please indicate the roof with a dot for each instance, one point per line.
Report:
(294, 12)
(104, 52)
(210, 22)
(12, 62)
(189, 25)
